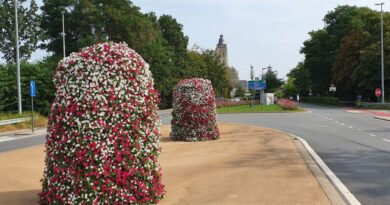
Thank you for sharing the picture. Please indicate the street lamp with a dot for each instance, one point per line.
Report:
(382, 55)
(263, 70)
(63, 32)
(17, 58)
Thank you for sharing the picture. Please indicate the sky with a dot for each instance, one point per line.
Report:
(257, 32)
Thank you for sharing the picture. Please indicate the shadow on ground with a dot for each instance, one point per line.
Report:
(28, 197)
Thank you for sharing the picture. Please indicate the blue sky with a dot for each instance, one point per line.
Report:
(257, 32)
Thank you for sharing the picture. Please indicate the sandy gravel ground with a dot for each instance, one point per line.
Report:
(248, 165)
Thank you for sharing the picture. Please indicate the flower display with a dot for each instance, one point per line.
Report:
(287, 104)
(194, 115)
(103, 135)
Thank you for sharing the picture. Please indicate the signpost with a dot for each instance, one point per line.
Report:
(332, 88)
(32, 93)
(257, 85)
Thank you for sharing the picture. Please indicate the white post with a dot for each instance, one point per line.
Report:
(63, 32)
(382, 56)
(17, 59)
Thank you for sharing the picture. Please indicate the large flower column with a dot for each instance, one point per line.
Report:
(194, 115)
(103, 132)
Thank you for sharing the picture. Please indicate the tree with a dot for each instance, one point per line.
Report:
(252, 73)
(29, 30)
(240, 91)
(346, 52)
(91, 21)
(300, 78)
(233, 76)
(172, 32)
(272, 80)
(204, 64)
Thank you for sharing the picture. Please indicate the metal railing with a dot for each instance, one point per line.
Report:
(12, 121)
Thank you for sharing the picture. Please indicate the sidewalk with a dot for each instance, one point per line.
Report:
(378, 114)
(248, 165)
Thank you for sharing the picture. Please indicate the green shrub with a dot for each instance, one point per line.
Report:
(321, 100)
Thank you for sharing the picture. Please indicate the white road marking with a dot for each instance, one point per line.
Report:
(359, 130)
(350, 127)
(336, 121)
(342, 124)
(333, 178)
(6, 138)
(330, 119)
(386, 140)
(372, 135)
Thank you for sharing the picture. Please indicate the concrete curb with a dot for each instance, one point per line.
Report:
(342, 190)
(382, 118)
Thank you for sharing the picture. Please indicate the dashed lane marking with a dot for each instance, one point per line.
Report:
(386, 140)
(350, 127)
(372, 135)
(342, 124)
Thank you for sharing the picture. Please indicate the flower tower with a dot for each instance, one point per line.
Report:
(194, 115)
(103, 132)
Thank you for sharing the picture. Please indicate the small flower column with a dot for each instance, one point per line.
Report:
(194, 115)
(103, 132)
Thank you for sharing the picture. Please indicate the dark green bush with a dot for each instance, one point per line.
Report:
(321, 100)
(41, 72)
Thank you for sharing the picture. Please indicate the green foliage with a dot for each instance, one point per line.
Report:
(249, 109)
(41, 72)
(240, 91)
(92, 21)
(273, 82)
(289, 88)
(346, 53)
(29, 31)
(385, 106)
(321, 100)
(252, 73)
(204, 64)
(300, 81)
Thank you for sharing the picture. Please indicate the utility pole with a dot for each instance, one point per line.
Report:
(382, 55)
(63, 32)
(17, 59)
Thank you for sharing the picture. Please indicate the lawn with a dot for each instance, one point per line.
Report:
(255, 108)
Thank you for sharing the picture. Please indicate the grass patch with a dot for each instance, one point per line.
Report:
(255, 108)
(39, 121)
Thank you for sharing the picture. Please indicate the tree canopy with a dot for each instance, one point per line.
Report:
(346, 53)
(29, 31)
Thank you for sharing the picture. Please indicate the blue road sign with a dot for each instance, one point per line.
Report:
(32, 88)
(257, 85)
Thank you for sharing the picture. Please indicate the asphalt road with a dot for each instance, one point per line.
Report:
(355, 147)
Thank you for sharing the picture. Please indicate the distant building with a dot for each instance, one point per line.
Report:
(243, 83)
(221, 51)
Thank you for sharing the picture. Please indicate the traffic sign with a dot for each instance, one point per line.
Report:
(257, 85)
(32, 88)
(378, 92)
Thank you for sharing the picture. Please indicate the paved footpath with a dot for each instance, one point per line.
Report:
(378, 114)
(248, 165)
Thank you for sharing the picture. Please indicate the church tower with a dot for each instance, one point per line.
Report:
(221, 51)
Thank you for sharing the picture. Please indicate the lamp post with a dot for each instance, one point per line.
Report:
(262, 72)
(63, 32)
(17, 58)
(382, 55)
